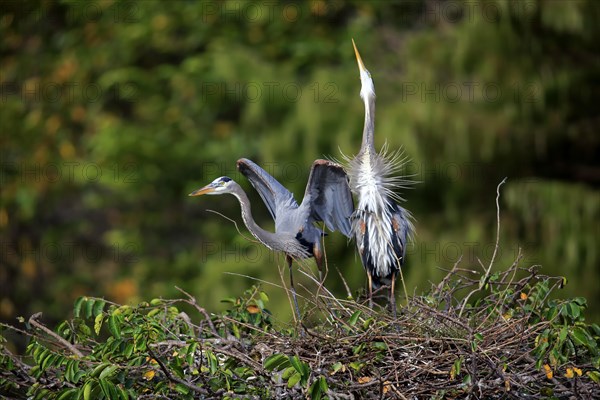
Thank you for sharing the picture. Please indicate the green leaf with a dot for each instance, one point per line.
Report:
(236, 331)
(580, 336)
(47, 361)
(337, 366)
(594, 375)
(563, 282)
(107, 372)
(128, 352)
(356, 365)
(156, 302)
(295, 361)
(68, 394)
(213, 363)
(153, 312)
(87, 390)
(354, 318)
(455, 371)
(69, 370)
(182, 389)
(178, 370)
(123, 395)
(368, 323)
(467, 380)
(106, 388)
(276, 362)
(323, 384)
(264, 297)
(581, 301)
(318, 388)
(379, 346)
(98, 323)
(294, 379)
(575, 310)
(114, 327)
(89, 307)
(98, 370)
(78, 375)
(191, 352)
(98, 307)
(72, 370)
(289, 371)
(77, 307)
(562, 335)
(358, 349)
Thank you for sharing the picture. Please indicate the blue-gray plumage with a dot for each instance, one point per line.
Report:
(381, 227)
(327, 198)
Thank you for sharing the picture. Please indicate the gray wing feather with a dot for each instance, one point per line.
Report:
(330, 197)
(274, 195)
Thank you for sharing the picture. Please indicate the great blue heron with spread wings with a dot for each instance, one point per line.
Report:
(327, 199)
(381, 227)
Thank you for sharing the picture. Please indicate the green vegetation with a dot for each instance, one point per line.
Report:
(514, 341)
(111, 112)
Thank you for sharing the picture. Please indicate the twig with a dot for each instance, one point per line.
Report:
(173, 378)
(484, 281)
(348, 291)
(192, 301)
(240, 357)
(497, 225)
(236, 226)
(73, 349)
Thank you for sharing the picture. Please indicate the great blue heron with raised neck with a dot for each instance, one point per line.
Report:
(327, 199)
(381, 227)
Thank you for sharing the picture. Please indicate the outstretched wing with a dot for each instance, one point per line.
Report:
(329, 195)
(276, 197)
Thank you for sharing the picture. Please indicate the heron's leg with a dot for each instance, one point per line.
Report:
(293, 289)
(393, 295)
(319, 260)
(370, 288)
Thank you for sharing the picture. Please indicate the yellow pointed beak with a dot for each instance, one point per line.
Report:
(201, 191)
(361, 66)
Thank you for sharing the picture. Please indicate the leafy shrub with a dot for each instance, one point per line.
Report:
(510, 340)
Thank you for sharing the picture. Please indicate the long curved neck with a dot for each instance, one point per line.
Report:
(368, 145)
(265, 237)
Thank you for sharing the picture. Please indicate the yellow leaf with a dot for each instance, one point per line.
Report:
(387, 386)
(577, 371)
(252, 309)
(548, 370)
(569, 373)
(148, 375)
(364, 379)
(523, 296)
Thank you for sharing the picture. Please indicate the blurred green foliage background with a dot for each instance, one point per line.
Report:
(111, 112)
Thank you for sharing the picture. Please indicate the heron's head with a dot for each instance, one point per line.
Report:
(218, 186)
(367, 89)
